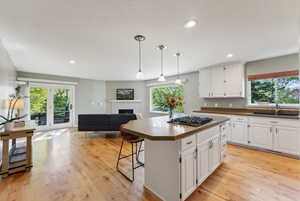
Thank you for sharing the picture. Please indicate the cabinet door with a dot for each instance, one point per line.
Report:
(239, 132)
(214, 153)
(204, 83)
(287, 140)
(217, 81)
(234, 80)
(188, 172)
(261, 136)
(202, 162)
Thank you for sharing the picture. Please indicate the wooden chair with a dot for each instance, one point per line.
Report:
(132, 139)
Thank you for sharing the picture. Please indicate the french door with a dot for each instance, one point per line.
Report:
(51, 106)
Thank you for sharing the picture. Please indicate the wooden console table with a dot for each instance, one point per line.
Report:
(16, 158)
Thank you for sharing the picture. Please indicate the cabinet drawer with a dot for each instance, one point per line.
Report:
(188, 142)
(241, 119)
(202, 136)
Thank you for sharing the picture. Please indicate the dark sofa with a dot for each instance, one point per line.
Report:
(103, 122)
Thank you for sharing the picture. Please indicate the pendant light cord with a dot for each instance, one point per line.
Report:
(177, 66)
(161, 63)
(140, 57)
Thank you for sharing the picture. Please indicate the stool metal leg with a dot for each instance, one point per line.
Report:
(132, 160)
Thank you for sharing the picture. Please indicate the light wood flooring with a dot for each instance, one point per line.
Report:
(68, 166)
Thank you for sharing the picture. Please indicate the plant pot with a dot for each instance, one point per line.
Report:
(9, 126)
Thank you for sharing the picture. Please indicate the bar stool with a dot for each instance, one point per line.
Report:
(132, 139)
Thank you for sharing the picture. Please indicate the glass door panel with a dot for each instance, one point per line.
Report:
(38, 105)
(61, 105)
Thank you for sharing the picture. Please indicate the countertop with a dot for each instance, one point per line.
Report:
(157, 128)
(248, 114)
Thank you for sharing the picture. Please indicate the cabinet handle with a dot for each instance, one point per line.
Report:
(274, 122)
(271, 129)
(190, 142)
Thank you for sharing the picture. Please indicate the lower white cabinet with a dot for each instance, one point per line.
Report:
(214, 153)
(188, 172)
(203, 162)
(239, 132)
(208, 158)
(261, 136)
(287, 140)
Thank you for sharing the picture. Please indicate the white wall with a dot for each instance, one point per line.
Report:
(7, 77)
(139, 92)
(90, 97)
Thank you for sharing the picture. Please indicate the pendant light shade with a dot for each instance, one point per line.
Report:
(140, 74)
(178, 80)
(161, 77)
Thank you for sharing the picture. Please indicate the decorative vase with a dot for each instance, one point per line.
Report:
(9, 126)
(171, 113)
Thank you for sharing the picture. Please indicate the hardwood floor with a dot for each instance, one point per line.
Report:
(70, 167)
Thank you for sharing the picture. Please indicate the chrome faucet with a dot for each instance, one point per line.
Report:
(277, 108)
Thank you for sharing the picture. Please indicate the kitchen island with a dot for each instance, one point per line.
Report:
(178, 158)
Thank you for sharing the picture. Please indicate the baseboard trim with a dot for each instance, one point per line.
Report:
(154, 194)
(265, 150)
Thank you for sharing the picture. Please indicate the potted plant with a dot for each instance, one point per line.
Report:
(172, 102)
(8, 121)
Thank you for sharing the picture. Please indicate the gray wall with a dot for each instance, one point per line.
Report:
(7, 77)
(139, 92)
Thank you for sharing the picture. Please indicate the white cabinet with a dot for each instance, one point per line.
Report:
(188, 172)
(287, 140)
(234, 81)
(217, 82)
(239, 132)
(208, 157)
(261, 136)
(222, 81)
(204, 82)
(202, 162)
(214, 153)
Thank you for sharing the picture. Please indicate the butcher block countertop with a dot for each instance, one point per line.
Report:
(157, 128)
(255, 112)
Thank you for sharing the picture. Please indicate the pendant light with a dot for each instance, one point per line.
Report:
(178, 80)
(161, 77)
(140, 74)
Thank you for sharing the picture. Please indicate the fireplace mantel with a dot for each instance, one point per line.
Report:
(125, 101)
(126, 104)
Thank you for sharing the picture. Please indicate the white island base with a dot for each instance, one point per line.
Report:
(174, 169)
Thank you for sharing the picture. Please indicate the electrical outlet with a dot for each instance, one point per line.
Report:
(230, 104)
(216, 104)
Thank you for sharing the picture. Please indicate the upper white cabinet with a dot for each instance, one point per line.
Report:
(222, 81)
(204, 82)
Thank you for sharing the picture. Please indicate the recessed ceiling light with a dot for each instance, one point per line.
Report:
(72, 61)
(229, 55)
(190, 24)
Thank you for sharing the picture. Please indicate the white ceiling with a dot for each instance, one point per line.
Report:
(43, 35)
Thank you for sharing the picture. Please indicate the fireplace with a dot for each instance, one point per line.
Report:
(125, 111)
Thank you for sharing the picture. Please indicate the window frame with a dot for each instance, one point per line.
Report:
(270, 105)
(150, 97)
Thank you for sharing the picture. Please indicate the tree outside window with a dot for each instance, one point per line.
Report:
(283, 90)
(159, 102)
